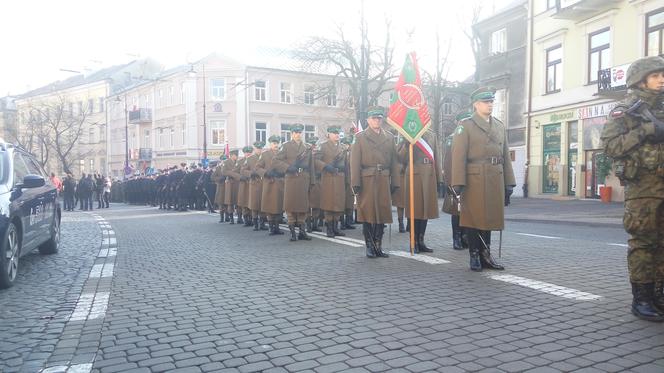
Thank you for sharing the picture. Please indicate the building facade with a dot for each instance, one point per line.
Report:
(7, 118)
(579, 51)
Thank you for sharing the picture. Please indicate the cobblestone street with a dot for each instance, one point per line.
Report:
(185, 293)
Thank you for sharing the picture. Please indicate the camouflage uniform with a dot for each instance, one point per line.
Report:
(634, 137)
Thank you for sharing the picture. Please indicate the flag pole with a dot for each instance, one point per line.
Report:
(412, 200)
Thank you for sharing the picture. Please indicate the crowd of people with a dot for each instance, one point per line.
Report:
(84, 192)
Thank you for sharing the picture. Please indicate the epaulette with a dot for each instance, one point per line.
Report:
(459, 129)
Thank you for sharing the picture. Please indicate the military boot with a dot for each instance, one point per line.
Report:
(230, 218)
(293, 235)
(487, 260)
(658, 296)
(314, 225)
(368, 240)
(475, 262)
(378, 234)
(421, 229)
(402, 229)
(456, 240)
(248, 222)
(335, 229)
(309, 229)
(221, 216)
(262, 225)
(642, 304)
(256, 226)
(303, 234)
(349, 221)
(329, 231)
(239, 219)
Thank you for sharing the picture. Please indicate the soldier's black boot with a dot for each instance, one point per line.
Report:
(368, 240)
(335, 229)
(248, 222)
(456, 240)
(293, 235)
(261, 224)
(221, 216)
(642, 304)
(329, 231)
(658, 296)
(475, 263)
(402, 229)
(420, 235)
(230, 218)
(349, 221)
(309, 224)
(314, 225)
(488, 261)
(303, 234)
(256, 226)
(407, 225)
(378, 235)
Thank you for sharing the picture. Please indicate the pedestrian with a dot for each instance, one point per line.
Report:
(482, 177)
(68, 190)
(450, 205)
(374, 171)
(331, 164)
(427, 175)
(634, 137)
(294, 160)
(107, 192)
(55, 180)
(90, 188)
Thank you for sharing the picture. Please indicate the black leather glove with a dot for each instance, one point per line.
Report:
(393, 189)
(508, 193)
(356, 190)
(291, 170)
(329, 168)
(458, 189)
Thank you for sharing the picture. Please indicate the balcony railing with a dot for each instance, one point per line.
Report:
(612, 81)
(577, 10)
(140, 116)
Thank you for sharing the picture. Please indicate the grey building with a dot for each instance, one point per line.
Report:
(502, 65)
(7, 118)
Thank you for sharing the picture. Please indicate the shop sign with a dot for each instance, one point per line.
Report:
(560, 117)
(601, 110)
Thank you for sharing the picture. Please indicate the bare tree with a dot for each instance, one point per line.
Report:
(473, 38)
(436, 85)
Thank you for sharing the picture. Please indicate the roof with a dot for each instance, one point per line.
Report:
(502, 11)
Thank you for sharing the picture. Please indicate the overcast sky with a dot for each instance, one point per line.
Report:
(40, 37)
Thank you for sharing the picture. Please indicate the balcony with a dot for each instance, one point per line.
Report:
(578, 10)
(612, 82)
(139, 116)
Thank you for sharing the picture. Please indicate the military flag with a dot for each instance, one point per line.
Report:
(408, 112)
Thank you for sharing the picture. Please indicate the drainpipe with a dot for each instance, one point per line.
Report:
(531, 24)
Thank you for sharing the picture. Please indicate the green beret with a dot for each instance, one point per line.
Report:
(483, 94)
(297, 127)
(234, 151)
(334, 129)
(274, 138)
(312, 140)
(463, 116)
(247, 149)
(259, 145)
(375, 111)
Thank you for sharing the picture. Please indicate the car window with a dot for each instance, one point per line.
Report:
(33, 167)
(20, 169)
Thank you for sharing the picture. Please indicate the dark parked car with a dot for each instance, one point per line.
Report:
(29, 211)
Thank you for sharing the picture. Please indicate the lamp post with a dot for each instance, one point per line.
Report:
(192, 73)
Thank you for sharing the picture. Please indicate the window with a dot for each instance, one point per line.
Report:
(146, 138)
(500, 105)
(259, 90)
(132, 140)
(598, 53)
(91, 136)
(20, 169)
(218, 89)
(351, 102)
(171, 95)
(285, 132)
(309, 98)
(554, 76)
(101, 104)
(332, 97)
(183, 130)
(218, 128)
(286, 93)
(160, 101)
(309, 131)
(146, 101)
(448, 108)
(91, 106)
(172, 137)
(655, 32)
(550, 4)
(182, 93)
(261, 131)
(161, 140)
(92, 165)
(498, 41)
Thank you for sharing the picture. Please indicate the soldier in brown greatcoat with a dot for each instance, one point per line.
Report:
(347, 219)
(256, 188)
(374, 174)
(482, 176)
(272, 194)
(331, 163)
(219, 178)
(294, 159)
(426, 177)
(230, 190)
(314, 190)
(243, 188)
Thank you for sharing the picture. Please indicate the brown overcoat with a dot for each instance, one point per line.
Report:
(332, 185)
(426, 176)
(272, 194)
(450, 205)
(481, 162)
(218, 178)
(232, 182)
(296, 185)
(314, 184)
(374, 167)
(243, 185)
(255, 184)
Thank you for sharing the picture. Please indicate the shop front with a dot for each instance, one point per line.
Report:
(593, 119)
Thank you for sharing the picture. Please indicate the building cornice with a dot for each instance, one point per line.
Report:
(551, 35)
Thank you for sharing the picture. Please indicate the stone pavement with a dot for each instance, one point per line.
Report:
(589, 212)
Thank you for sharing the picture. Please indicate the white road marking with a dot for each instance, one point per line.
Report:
(110, 241)
(618, 244)
(80, 368)
(90, 306)
(146, 216)
(540, 236)
(545, 287)
(354, 240)
(325, 238)
(105, 253)
(102, 270)
(422, 258)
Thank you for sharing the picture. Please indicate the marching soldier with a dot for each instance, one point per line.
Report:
(219, 178)
(426, 177)
(450, 205)
(294, 159)
(374, 178)
(331, 163)
(256, 188)
(243, 188)
(231, 188)
(634, 137)
(272, 194)
(482, 176)
(314, 191)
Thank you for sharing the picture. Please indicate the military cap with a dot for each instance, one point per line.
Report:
(463, 116)
(234, 151)
(312, 140)
(297, 127)
(247, 149)
(259, 145)
(334, 129)
(483, 94)
(375, 111)
(274, 138)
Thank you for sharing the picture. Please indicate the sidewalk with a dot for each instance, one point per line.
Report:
(577, 211)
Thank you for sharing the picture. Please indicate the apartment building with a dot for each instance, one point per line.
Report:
(579, 51)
